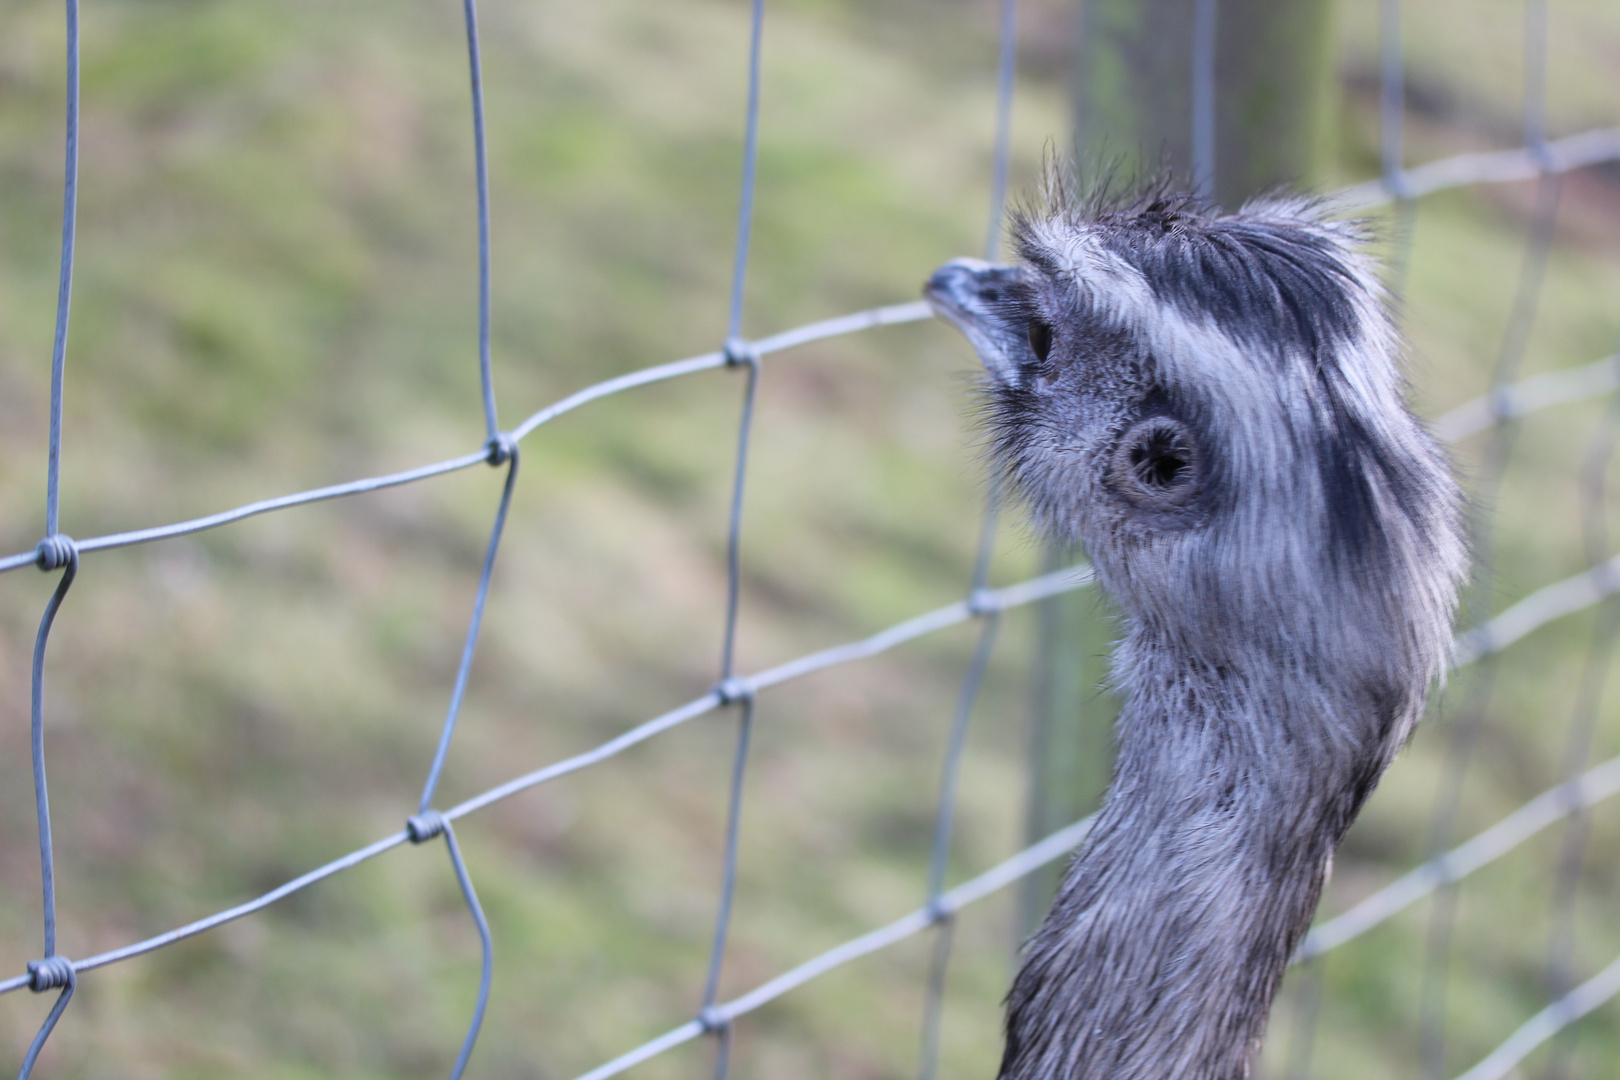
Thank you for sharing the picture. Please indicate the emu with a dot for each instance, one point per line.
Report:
(1211, 404)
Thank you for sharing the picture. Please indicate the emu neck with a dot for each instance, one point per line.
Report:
(1162, 953)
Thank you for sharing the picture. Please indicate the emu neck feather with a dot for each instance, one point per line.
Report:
(1162, 953)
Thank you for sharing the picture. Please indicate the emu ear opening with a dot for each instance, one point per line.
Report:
(1157, 466)
(980, 299)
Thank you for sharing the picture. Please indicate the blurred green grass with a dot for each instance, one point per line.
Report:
(276, 290)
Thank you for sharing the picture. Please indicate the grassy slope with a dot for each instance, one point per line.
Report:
(276, 290)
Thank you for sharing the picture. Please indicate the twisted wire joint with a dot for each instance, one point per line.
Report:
(55, 552)
(734, 690)
(500, 449)
(425, 826)
(51, 973)
(740, 352)
(983, 601)
(713, 1019)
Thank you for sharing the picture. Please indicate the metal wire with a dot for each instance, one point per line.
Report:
(1392, 100)
(738, 353)
(1203, 97)
(745, 209)
(1392, 153)
(1470, 719)
(1489, 167)
(1006, 77)
(475, 69)
(64, 289)
(944, 824)
(1595, 785)
(956, 743)
(1307, 1011)
(55, 551)
(1556, 1017)
(1546, 809)
(991, 881)
(1529, 395)
(1509, 400)
(464, 669)
(1560, 976)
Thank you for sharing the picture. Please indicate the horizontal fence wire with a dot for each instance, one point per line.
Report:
(991, 600)
(1491, 167)
(1538, 159)
(1554, 805)
(1013, 596)
(991, 881)
(1528, 396)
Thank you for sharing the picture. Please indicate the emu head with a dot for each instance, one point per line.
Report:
(1211, 405)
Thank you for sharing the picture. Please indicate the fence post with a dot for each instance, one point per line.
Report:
(1072, 720)
(1235, 96)
(1273, 82)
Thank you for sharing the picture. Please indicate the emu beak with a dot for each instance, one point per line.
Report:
(969, 294)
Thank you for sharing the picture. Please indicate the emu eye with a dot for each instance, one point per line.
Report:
(1156, 464)
(1040, 339)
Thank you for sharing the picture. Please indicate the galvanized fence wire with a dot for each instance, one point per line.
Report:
(1497, 412)
(1599, 658)
(1508, 401)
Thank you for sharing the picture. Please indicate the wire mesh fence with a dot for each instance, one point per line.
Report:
(1572, 992)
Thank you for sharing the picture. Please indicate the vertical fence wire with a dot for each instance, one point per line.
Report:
(1203, 98)
(475, 70)
(1006, 78)
(745, 209)
(499, 453)
(1307, 1014)
(500, 450)
(1535, 79)
(1471, 715)
(1033, 894)
(1561, 946)
(56, 552)
(42, 975)
(978, 590)
(944, 825)
(426, 826)
(738, 353)
(1392, 150)
(64, 289)
(1311, 979)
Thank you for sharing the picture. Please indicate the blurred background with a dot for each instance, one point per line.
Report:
(276, 290)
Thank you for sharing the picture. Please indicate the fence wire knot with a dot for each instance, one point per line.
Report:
(500, 449)
(51, 973)
(712, 1018)
(740, 352)
(939, 910)
(982, 601)
(1396, 183)
(1502, 404)
(425, 826)
(733, 690)
(55, 551)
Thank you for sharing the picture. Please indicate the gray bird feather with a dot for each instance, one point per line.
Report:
(1212, 405)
